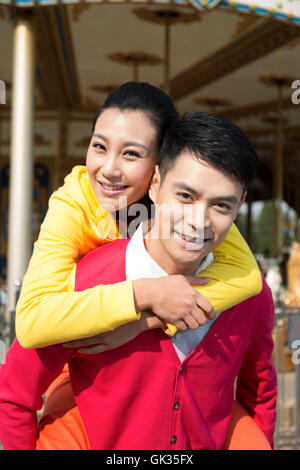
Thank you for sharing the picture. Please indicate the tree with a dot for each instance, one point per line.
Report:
(264, 230)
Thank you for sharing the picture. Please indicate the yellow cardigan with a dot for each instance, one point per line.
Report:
(50, 312)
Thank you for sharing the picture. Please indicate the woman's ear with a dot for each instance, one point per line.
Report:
(154, 185)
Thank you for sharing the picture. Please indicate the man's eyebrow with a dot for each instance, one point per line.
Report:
(230, 199)
(131, 142)
(186, 187)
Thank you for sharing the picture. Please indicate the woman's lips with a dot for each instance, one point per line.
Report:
(110, 189)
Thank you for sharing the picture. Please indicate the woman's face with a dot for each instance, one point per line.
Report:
(121, 157)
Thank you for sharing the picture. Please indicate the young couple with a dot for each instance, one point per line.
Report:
(136, 387)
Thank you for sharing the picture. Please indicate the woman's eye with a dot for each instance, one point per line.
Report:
(132, 153)
(98, 146)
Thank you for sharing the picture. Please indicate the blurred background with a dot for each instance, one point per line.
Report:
(59, 60)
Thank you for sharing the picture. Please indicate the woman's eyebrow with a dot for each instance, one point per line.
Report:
(96, 134)
(137, 144)
(131, 142)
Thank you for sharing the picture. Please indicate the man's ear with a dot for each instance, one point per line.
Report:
(242, 200)
(241, 203)
(154, 185)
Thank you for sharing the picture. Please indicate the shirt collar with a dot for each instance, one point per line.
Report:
(140, 264)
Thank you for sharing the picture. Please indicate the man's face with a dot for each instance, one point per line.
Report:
(195, 207)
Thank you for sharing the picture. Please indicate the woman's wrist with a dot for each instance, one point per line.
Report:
(142, 293)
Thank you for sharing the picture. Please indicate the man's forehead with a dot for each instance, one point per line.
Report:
(187, 159)
(186, 175)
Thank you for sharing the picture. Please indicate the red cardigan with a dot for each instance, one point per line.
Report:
(139, 396)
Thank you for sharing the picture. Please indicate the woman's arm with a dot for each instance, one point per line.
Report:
(121, 335)
(48, 311)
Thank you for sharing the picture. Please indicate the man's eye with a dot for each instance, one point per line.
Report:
(224, 206)
(184, 195)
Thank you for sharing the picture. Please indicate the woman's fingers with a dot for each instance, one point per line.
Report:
(197, 281)
(85, 342)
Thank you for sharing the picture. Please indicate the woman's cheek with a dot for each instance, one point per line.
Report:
(143, 176)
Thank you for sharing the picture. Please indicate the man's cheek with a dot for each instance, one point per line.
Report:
(170, 219)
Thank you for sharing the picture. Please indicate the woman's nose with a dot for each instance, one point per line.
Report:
(111, 167)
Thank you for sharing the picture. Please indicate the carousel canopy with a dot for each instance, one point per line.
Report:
(226, 57)
(288, 10)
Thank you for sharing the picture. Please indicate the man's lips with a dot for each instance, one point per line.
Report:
(192, 239)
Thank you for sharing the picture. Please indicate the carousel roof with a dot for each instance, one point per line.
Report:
(229, 58)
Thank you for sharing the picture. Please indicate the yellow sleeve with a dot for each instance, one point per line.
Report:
(234, 275)
(48, 311)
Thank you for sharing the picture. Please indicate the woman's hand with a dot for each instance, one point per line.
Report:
(174, 300)
(115, 338)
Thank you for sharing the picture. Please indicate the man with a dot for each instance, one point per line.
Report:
(157, 392)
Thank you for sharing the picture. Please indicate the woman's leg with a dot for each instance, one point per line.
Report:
(243, 433)
(61, 426)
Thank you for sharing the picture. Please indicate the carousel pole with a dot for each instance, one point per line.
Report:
(278, 177)
(136, 59)
(213, 103)
(167, 57)
(21, 156)
(135, 71)
(278, 181)
(166, 17)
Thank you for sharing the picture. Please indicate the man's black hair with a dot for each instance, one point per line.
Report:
(213, 139)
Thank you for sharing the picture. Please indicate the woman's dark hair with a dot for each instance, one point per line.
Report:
(213, 139)
(140, 96)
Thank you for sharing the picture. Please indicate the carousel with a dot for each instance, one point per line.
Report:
(59, 59)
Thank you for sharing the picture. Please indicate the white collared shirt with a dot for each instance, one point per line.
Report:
(139, 264)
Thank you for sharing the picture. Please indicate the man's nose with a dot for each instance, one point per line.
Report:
(199, 217)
